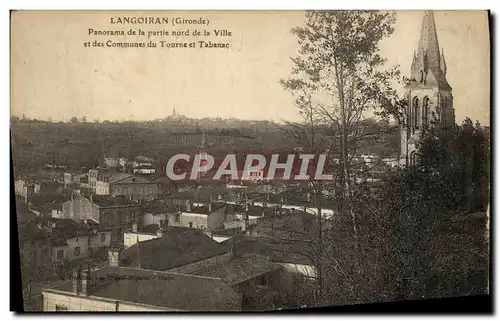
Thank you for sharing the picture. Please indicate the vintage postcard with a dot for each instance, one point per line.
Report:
(249, 160)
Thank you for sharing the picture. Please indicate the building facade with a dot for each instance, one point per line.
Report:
(136, 188)
(428, 93)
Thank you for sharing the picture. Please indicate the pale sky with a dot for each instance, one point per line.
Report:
(54, 75)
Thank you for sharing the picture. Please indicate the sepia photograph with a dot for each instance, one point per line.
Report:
(242, 161)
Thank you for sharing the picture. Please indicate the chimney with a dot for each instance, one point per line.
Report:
(76, 281)
(210, 206)
(188, 206)
(134, 227)
(91, 197)
(159, 232)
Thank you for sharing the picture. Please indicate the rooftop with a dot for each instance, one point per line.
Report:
(159, 206)
(275, 250)
(178, 246)
(240, 269)
(162, 289)
(108, 201)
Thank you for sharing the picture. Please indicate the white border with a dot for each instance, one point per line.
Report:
(185, 4)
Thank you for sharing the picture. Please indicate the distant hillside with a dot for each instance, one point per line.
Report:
(36, 143)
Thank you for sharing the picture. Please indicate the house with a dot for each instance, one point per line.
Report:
(70, 240)
(92, 180)
(157, 212)
(137, 188)
(173, 247)
(49, 245)
(26, 189)
(114, 213)
(105, 177)
(117, 289)
(80, 208)
(197, 216)
(117, 214)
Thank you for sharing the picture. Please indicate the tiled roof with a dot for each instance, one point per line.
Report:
(161, 289)
(117, 176)
(177, 247)
(66, 229)
(132, 179)
(240, 269)
(276, 250)
(107, 201)
(158, 206)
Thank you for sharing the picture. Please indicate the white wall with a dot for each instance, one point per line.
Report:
(129, 238)
(90, 303)
(151, 218)
(198, 220)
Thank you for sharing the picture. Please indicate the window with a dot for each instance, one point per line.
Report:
(103, 238)
(425, 111)
(190, 224)
(417, 116)
(61, 307)
(60, 255)
(77, 251)
(177, 217)
(421, 76)
(413, 158)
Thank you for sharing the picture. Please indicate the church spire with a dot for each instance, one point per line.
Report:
(443, 63)
(428, 65)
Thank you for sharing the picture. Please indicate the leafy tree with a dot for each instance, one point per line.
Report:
(435, 251)
(336, 78)
(74, 120)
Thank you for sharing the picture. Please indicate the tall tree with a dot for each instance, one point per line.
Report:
(337, 78)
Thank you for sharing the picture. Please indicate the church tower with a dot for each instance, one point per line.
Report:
(428, 93)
